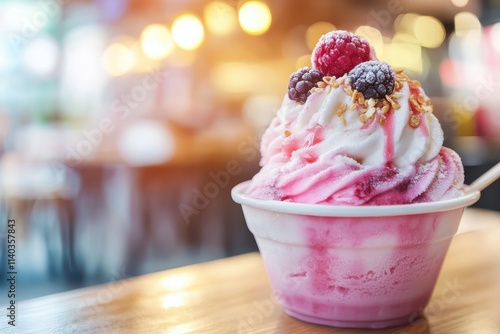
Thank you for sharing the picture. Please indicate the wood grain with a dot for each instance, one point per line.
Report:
(233, 296)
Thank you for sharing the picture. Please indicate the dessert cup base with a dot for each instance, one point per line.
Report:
(374, 324)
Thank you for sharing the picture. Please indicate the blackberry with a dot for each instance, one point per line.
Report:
(373, 79)
(301, 83)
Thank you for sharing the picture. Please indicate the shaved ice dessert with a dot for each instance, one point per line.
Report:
(357, 200)
(360, 134)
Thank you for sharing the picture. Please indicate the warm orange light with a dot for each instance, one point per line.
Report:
(117, 59)
(315, 31)
(429, 31)
(465, 23)
(188, 32)
(403, 52)
(177, 282)
(156, 41)
(220, 18)
(255, 17)
(460, 3)
(405, 22)
(373, 36)
(303, 61)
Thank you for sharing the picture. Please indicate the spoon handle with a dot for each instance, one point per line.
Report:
(486, 179)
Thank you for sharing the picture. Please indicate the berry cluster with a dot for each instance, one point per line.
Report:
(338, 53)
(301, 83)
(373, 79)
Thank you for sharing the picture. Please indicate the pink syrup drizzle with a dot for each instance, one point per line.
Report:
(388, 128)
(308, 139)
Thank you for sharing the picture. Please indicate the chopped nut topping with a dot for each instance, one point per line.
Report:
(402, 77)
(363, 118)
(321, 84)
(348, 90)
(341, 109)
(382, 119)
(287, 133)
(416, 83)
(361, 99)
(388, 98)
(414, 121)
(394, 104)
(354, 96)
(385, 109)
(416, 105)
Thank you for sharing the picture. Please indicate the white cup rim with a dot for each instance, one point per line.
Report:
(239, 195)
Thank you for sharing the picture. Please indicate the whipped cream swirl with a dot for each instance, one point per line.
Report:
(333, 149)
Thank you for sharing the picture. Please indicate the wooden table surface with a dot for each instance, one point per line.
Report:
(234, 296)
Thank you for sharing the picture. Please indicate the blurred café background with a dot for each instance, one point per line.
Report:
(125, 123)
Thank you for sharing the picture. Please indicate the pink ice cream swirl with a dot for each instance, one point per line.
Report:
(338, 149)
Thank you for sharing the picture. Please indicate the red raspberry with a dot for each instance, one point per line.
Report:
(338, 52)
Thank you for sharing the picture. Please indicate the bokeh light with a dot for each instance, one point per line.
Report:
(220, 18)
(460, 3)
(174, 300)
(126, 40)
(254, 17)
(406, 22)
(117, 59)
(83, 75)
(303, 61)
(466, 22)
(429, 31)
(177, 282)
(373, 36)
(146, 142)
(403, 52)
(41, 56)
(188, 32)
(156, 41)
(315, 31)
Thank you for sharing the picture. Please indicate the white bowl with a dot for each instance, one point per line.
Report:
(353, 266)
